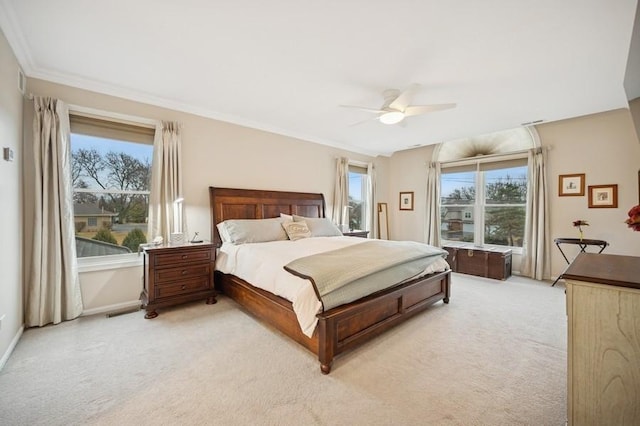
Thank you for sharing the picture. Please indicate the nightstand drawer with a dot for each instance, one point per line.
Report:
(183, 256)
(187, 271)
(176, 274)
(182, 287)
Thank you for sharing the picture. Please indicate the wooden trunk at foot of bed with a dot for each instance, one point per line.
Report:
(346, 326)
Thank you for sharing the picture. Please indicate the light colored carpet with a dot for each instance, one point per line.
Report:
(496, 355)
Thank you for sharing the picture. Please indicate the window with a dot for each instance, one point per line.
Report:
(358, 196)
(484, 202)
(111, 175)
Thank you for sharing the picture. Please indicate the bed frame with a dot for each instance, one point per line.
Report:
(341, 328)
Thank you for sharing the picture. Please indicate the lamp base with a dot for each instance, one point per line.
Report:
(177, 238)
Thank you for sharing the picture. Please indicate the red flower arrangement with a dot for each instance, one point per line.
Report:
(634, 218)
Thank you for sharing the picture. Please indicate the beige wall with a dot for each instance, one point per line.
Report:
(408, 172)
(634, 108)
(215, 153)
(11, 196)
(603, 146)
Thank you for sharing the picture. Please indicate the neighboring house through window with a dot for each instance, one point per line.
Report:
(111, 175)
(92, 222)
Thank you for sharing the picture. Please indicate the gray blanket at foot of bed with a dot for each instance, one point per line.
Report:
(347, 274)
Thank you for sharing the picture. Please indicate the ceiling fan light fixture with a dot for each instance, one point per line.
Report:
(391, 117)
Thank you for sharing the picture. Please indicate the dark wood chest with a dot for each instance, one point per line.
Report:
(483, 262)
(176, 274)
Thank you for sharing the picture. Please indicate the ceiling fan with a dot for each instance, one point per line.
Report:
(397, 106)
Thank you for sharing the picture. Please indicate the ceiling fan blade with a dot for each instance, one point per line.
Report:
(377, 111)
(363, 121)
(424, 109)
(404, 99)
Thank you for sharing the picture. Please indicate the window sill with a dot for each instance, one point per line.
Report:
(104, 263)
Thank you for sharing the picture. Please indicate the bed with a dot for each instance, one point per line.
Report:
(340, 328)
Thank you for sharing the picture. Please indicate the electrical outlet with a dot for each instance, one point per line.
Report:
(7, 153)
(1, 318)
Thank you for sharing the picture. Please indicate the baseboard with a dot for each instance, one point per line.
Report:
(11, 347)
(111, 308)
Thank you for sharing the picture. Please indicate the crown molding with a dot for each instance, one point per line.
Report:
(133, 95)
(13, 32)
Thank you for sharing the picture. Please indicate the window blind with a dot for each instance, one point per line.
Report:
(110, 129)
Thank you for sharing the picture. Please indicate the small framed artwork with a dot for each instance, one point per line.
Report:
(571, 185)
(603, 196)
(406, 200)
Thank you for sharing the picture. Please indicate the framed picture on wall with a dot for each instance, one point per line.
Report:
(406, 200)
(571, 185)
(603, 196)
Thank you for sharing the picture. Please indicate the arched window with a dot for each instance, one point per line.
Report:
(483, 187)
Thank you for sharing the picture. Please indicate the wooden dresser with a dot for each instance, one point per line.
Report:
(176, 274)
(603, 310)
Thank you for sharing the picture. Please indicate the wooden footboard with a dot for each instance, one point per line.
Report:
(343, 327)
(348, 326)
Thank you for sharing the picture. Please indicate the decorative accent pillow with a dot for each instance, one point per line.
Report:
(296, 230)
(319, 226)
(241, 231)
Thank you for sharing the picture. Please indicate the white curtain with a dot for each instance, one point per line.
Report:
(165, 214)
(372, 212)
(536, 259)
(340, 214)
(432, 216)
(53, 289)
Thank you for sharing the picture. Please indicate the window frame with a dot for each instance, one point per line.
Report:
(116, 261)
(479, 203)
(367, 209)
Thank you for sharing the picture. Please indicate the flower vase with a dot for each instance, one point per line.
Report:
(581, 235)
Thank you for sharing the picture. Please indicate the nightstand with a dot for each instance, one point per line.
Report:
(176, 274)
(360, 234)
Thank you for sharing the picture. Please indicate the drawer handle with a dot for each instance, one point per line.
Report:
(184, 272)
(185, 256)
(184, 287)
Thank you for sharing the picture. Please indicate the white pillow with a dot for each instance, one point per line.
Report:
(296, 230)
(287, 217)
(224, 234)
(319, 226)
(242, 231)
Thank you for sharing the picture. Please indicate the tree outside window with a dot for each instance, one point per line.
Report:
(111, 181)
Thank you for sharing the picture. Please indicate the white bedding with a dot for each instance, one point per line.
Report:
(261, 264)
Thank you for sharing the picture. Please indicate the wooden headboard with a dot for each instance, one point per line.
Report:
(229, 203)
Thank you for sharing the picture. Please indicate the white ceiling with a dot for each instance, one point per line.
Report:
(286, 65)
